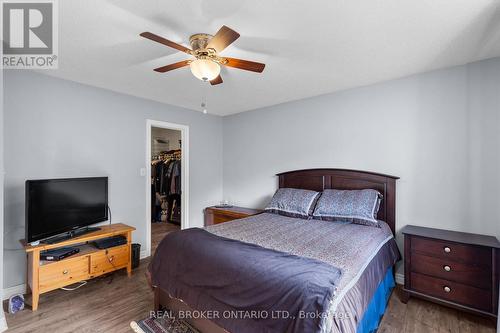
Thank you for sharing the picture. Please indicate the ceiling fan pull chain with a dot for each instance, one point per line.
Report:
(204, 98)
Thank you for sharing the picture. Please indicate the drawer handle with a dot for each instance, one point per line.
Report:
(65, 272)
(447, 268)
(446, 289)
(447, 249)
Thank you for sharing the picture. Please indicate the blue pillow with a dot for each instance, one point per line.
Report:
(293, 202)
(357, 206)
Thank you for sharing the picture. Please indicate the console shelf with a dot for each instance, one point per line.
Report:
(90, 262)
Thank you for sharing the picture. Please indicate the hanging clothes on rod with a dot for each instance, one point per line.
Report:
(166, 184)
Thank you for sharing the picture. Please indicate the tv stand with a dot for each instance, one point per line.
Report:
(90, 262)
(70, 234)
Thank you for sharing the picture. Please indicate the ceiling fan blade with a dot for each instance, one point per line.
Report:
(172, 66)
(245, 64)
(217, 80)
(223, 38)
(165, 41)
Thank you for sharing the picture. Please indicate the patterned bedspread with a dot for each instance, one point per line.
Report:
(362, 253)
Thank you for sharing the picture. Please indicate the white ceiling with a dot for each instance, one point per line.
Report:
(309, 47)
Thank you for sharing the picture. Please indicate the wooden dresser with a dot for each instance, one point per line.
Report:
(90, 262)
(216, 215)
(452, 268)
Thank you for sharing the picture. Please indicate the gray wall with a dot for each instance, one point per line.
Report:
(484, 146)
(438, 131)
(56, 128)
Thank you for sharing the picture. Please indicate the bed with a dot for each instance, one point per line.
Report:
(365, 255)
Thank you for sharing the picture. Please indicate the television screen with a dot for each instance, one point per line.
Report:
(55, 206)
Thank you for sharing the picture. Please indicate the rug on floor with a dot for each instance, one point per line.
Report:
(162, 325)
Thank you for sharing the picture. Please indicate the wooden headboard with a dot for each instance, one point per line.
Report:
(342, 179)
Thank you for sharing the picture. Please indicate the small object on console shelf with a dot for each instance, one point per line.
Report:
(113, 241)
(58, 254)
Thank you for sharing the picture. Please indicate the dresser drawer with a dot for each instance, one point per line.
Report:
(452, 251)
(109, 260)
(452, 291)
(216, 215)
(62, 273)
(221, 218)
(472, 275)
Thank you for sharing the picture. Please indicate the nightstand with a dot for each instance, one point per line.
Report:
(452, 268)
(216, 215)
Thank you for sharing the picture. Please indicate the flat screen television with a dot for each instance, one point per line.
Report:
(56, 206)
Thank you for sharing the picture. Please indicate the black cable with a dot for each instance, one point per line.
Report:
(110, 260)
(109, 210)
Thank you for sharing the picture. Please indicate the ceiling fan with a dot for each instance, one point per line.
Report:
(206, 48)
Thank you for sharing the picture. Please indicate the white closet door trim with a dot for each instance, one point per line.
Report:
(184, 175)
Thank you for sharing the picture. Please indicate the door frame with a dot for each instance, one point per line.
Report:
(184, 175)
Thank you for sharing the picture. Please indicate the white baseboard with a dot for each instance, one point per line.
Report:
(15, 290)
(400, 278)
(144, 254)
(3, 323)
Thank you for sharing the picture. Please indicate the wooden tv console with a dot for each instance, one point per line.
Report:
(90, 262)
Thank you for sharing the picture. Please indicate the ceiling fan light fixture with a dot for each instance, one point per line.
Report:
(205, 49)
(204, 69)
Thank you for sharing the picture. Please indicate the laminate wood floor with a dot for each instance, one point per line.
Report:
(110, 303)
(106, 304)
(159, 230)
(419, 316)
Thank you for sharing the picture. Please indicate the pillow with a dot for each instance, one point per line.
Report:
(357, 206)
(293, 202)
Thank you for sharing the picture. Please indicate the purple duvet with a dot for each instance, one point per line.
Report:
(244, 287)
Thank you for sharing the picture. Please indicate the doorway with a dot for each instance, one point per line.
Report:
(167, 181)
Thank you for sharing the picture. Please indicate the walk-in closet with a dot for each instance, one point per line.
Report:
(166, 177)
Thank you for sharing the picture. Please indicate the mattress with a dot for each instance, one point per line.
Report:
(362, 253)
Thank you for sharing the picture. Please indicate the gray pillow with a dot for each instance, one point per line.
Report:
(357, 206)
(293, 202)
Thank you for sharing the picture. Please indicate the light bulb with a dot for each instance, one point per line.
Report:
(204, 69)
